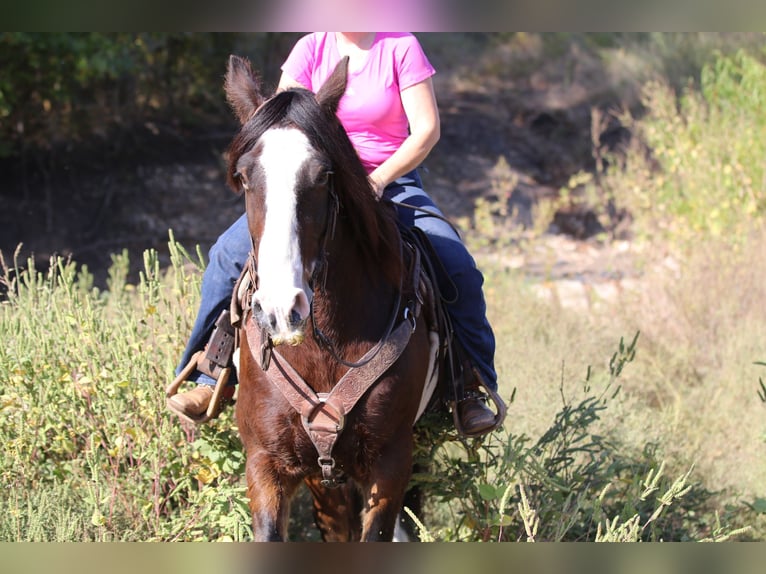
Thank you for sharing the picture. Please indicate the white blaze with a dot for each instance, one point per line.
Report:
(280, 268)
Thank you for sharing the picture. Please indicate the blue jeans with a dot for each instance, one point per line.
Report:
(469, 310)
(468, 313)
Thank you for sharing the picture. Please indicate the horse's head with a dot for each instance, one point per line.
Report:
(282, 160)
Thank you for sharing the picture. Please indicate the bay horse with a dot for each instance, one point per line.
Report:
(335, 352)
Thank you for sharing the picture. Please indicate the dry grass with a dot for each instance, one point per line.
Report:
(703, 328)
(693, 386)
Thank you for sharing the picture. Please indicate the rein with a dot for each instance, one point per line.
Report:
(321, 272)
(326, 343)
(329, 233)
(428, 212)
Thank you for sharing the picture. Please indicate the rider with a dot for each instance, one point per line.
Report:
(390, 113)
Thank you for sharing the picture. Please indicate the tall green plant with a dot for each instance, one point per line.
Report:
(704, 172)
(82, 410)
(576, 482)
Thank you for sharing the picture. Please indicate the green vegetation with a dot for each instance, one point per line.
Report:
(704, 173)
(90, 453)
(575, 482)
(58, 88)
(693, 183)
(610, 436)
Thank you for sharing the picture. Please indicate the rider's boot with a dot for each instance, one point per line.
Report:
(473, 417)
(205, 402)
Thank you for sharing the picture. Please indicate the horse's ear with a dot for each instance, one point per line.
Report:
(333, 89)
(243, 88)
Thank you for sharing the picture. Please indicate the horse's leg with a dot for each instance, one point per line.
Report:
(384, 495)
(337, 511)
(269, 499)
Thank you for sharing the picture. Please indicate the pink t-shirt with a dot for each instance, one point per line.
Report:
(371, 110)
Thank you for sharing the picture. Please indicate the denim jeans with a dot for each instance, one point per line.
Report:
(468, 313)
(469, 310)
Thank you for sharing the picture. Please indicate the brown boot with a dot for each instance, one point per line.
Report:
(475, 416)
(193, 406)
(191, 403)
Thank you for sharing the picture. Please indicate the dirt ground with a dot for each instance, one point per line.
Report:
(540, 125)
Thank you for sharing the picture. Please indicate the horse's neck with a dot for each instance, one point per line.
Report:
(357, 290)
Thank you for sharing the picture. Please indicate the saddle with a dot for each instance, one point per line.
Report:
(456, 375)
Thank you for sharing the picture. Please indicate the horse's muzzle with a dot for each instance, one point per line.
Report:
(287, 332)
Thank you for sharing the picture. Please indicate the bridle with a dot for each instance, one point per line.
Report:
(318, 282)
(323, 415)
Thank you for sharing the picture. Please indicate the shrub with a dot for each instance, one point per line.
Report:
(576, 482)
(704, 173)
(71, 87)
(82, 405)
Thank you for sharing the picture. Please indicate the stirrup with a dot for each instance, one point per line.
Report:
(216, 402)
(500, 408)
(215, 361)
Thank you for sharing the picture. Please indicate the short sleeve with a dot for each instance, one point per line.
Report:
(301, 60)
(412, 63)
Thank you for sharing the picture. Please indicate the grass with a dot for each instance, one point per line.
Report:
(692, 390)
(607, 438)
(91, 454)
(705, 336)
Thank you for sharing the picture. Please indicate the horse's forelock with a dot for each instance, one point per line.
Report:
(270, 114)
(299, 108)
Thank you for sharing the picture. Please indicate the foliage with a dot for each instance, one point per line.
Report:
(574, 483)
(704, 171)
(90, 453)
(64, 87)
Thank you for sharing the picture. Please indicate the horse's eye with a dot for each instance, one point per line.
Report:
(324, 177)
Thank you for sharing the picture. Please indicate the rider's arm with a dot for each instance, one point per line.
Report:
(286, 82)
(419, 102)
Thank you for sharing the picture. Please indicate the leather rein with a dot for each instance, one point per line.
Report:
(323, 415)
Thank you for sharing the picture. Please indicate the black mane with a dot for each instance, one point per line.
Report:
(369, 222)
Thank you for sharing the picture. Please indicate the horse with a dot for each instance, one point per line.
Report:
(335, 348)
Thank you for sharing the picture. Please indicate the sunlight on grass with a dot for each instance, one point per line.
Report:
(609, 436)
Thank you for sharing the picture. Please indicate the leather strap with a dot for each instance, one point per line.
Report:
(324, 414)
(218, 352)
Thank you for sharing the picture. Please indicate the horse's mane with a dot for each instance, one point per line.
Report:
(369, 221)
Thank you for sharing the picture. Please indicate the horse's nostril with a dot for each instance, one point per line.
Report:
(300, 309)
